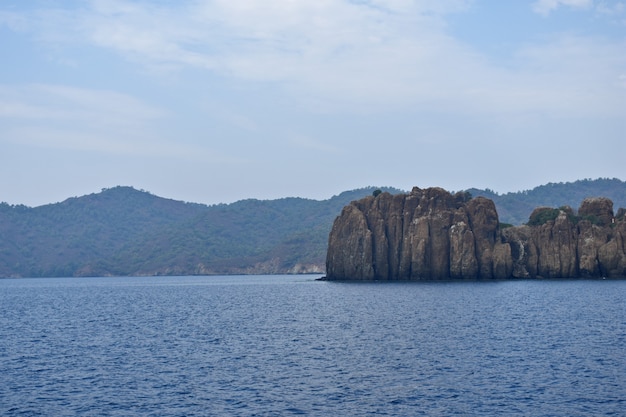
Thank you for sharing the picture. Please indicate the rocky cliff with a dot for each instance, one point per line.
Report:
(431, 234)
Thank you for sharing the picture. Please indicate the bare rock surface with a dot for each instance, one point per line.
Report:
(431, 234)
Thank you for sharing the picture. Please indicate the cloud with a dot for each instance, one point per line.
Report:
(79, 139)
(318, 45)
(98, 108)
(75, 119)
(14, 21)
(601, 7)
(545, 7)
(352, 55)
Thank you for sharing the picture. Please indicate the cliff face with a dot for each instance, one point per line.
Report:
(431, 234)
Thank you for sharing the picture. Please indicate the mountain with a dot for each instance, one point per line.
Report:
(69, 238)
(124, 231)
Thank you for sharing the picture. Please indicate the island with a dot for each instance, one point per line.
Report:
(432, 234)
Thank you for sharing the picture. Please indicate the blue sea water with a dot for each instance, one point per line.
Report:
(290, 345)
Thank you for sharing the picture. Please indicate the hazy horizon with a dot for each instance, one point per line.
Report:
(293, 196)
(215, 101)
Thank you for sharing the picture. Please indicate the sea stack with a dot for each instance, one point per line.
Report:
(431, 234)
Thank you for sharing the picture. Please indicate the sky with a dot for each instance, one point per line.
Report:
(214, 101)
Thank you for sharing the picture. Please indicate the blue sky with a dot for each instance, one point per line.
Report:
(216, 101)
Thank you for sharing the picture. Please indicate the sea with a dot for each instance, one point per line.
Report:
(292, 345)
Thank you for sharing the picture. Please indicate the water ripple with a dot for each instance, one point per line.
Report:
(249, 346)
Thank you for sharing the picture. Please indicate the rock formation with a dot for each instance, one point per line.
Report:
(431, 234)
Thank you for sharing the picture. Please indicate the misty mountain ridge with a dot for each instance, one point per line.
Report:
(124, 231)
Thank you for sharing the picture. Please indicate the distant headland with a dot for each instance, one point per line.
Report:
(432, 234)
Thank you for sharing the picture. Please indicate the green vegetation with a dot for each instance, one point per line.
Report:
(123, 231)
(514, 208)
(539, 217)
(544, 215)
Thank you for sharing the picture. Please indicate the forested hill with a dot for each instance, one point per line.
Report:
(514, 208)
(124, 231)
